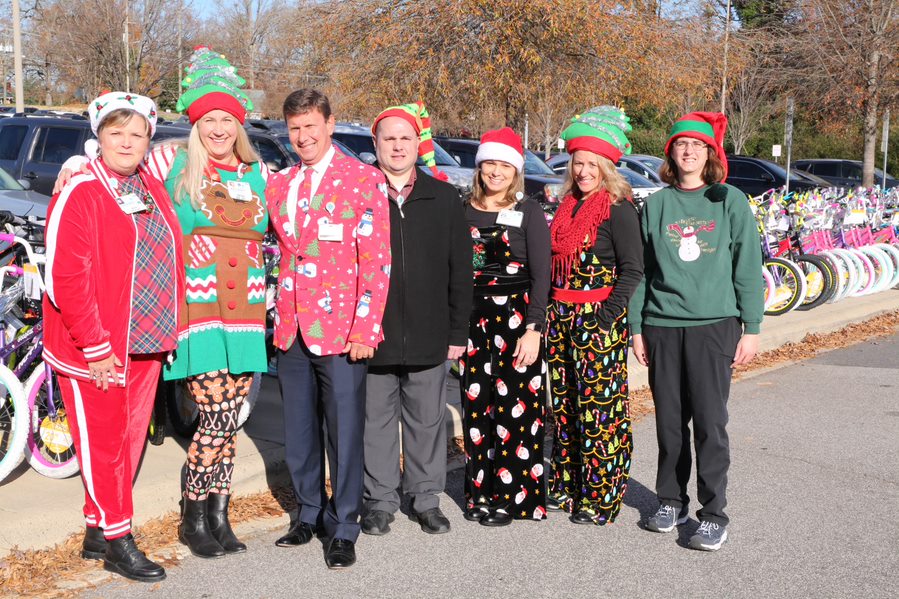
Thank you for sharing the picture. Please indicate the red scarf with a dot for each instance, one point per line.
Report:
(571, 234)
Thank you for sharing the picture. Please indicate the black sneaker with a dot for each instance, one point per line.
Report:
(377, 522)
(666, 519)
(710, 536)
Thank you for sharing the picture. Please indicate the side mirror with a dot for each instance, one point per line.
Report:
(767, 177)
(368, 157)
(25, 183)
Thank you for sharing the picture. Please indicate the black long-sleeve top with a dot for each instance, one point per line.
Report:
(618, 242)
(530, 245)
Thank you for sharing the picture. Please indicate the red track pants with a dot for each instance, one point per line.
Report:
(110, 432)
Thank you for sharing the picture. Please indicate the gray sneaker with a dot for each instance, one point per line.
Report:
(709, 537)
(666, 519)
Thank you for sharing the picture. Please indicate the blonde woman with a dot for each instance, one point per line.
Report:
(502, 371)
(597, 263)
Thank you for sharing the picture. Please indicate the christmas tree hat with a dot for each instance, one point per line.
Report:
(600, 130)
(416, 115)
(211, 83)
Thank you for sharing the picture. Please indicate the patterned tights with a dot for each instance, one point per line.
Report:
(210, 457)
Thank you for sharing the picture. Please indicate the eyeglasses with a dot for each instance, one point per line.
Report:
(681, 145)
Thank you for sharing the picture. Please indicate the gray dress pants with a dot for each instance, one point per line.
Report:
(415, 396)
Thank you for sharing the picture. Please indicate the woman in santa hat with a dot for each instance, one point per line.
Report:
(597, 262)
(502, 371)
(695, 316)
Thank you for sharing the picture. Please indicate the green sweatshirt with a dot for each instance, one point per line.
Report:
(703, 260)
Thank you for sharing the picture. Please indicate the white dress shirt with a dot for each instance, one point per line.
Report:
(317, 172)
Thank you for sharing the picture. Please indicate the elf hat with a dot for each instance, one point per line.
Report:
(416, 115)
(110, 101)
(502, 144)
(704, 126)
(600, 130)
(211, 83)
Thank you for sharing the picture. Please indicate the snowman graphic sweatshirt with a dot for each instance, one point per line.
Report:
(702, 258)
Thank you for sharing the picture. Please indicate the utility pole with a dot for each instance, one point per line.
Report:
(180, 60)
(17, 56)
(127, 39)
(726, 48)
(4, 50)
(788, 134)
(884, 141)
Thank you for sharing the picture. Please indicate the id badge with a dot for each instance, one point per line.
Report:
(330, 231)
(240, 191)
(510, 218)
(130, 203)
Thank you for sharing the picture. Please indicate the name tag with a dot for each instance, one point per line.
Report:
(240, 191)
(130, 203)
(510, 218)
(330, 231)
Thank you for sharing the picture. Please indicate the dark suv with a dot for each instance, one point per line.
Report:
(540, 182)
(33, 148)
(755, 176)
(841, 173)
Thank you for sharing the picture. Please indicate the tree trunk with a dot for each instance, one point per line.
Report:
(871, 104)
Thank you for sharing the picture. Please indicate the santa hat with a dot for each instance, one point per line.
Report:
(704, 126)
(212, 83)
(502, 144)
(102, 106)
(416, 115)
(600, 130)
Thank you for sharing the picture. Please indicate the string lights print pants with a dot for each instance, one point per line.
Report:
(210, 457)
(591, 454)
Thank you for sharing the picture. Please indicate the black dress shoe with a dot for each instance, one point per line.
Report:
(554, 504)
(340, 554)
(497, 517)
(377, 522)
(583, 518)
(433, 521)
(94, 545)
(476, 513)
(299, 533)
(123, 557)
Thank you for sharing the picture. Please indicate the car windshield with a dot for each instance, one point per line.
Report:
(534, 166)
(441, 157)
(284, 140)
(7, 182)
(635, 179)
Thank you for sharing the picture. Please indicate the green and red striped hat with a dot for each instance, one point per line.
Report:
(600, 130)
(416, 115)
(704, 126)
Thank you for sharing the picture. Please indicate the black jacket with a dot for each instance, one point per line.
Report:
(430, 295)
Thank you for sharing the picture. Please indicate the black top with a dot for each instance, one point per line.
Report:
(531, 246)
(619, 244)
(429, 298)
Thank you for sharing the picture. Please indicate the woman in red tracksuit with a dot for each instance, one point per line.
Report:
(114, 280)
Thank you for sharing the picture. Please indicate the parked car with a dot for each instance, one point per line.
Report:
(644, 165)
(358, 138)
(540, 182)
(641, 186)
(755, 176)
(16, 197)
(841, 173)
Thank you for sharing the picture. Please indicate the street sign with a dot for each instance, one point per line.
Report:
(776, 150)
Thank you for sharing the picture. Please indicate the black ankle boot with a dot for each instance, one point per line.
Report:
(94, 544)
(194, 530)
(217, 514)
(123, 557)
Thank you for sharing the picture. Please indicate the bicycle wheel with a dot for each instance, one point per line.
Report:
(50, 448)
(788, 285)
(868, 274)
(156, 428)
(853, 268)
(841, 275)
(893, 252)
(820, 280)
(13, 421)
(183, 413)
(770, 288)
(883, 267)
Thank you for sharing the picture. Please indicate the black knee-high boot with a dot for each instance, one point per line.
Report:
(194, 530)
(219, 526)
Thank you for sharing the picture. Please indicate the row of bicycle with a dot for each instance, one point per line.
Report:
(826, 245)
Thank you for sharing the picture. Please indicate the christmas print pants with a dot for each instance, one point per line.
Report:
(210, 457)
(502, 412)
(591, 454)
